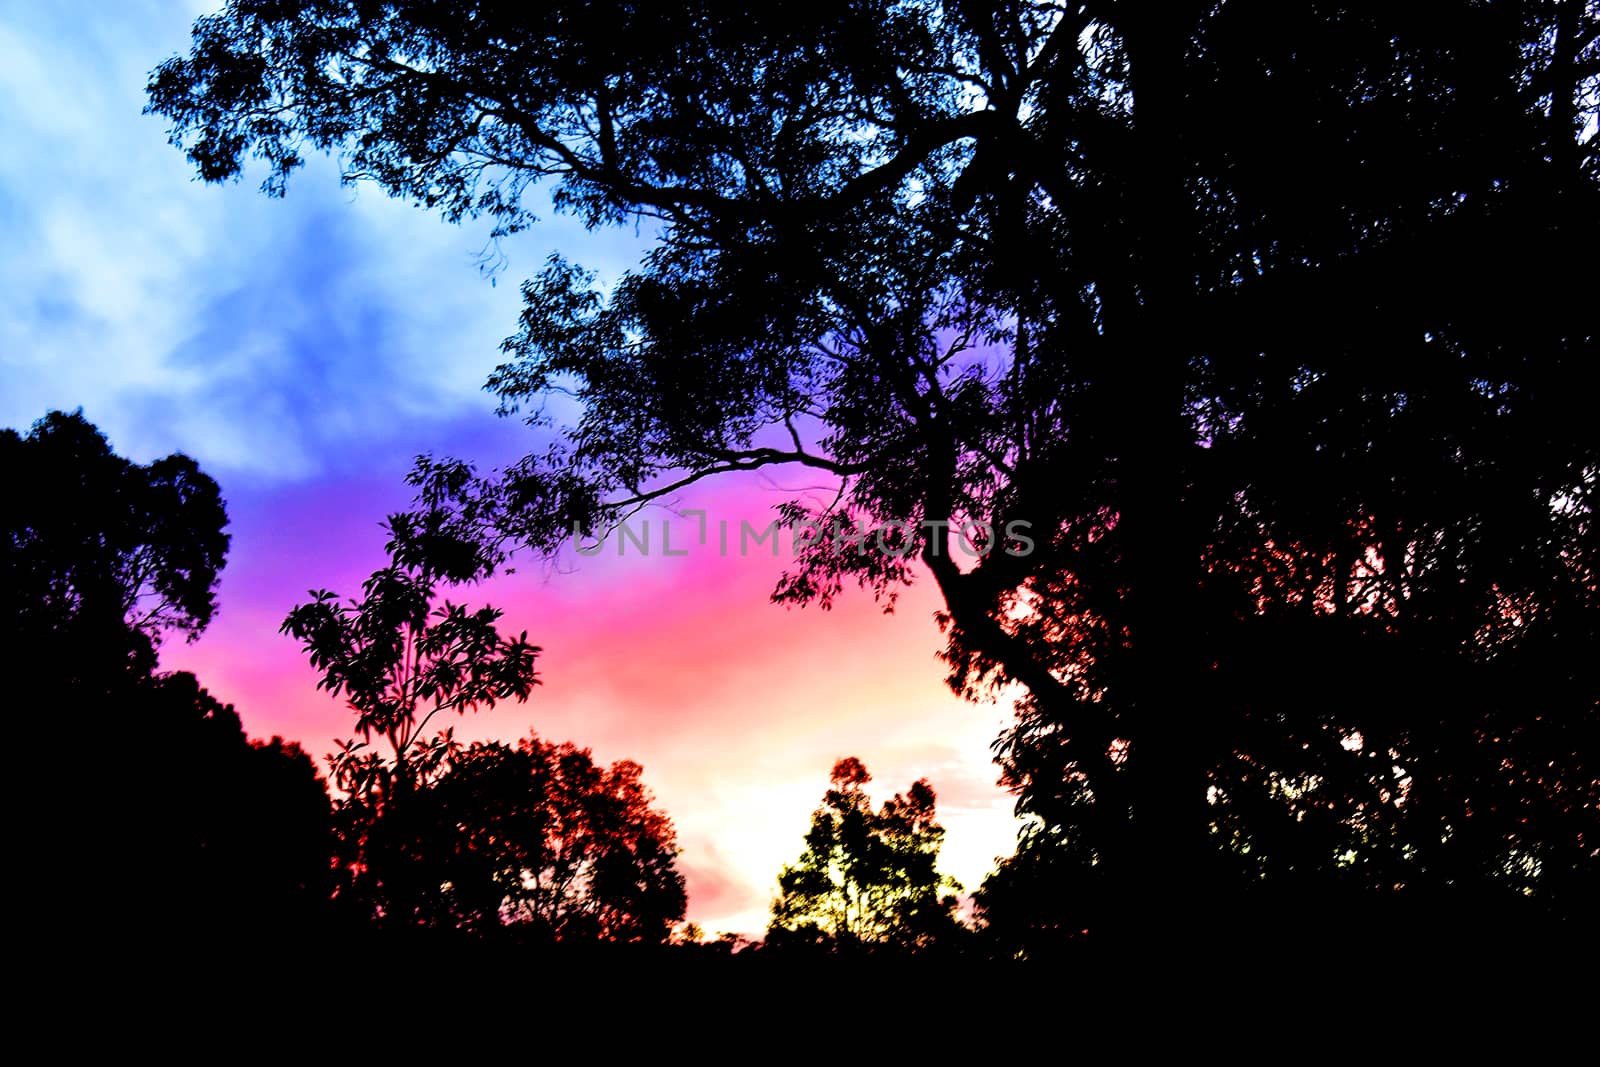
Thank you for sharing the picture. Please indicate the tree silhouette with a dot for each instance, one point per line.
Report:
(1269, 319)
(540, 840)
(102, 556)
(401, 656)
(867, 878)
(232, 835)
(172, 821)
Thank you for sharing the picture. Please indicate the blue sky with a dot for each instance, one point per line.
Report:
(274, 339)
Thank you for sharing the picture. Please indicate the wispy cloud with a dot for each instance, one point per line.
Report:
(275, 338)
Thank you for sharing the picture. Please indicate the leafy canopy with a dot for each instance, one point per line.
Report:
(867, 877)
(401, 656)
(189, 827)
(539, 841)
(1269, 318)
(101, 556)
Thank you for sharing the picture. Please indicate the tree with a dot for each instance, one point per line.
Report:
(1267, 318)
(867, 879)
(102, 556)
(400, 661)
(231, 836)
(542, 841)
(166, 819)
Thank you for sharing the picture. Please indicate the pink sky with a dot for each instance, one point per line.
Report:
(737, 708)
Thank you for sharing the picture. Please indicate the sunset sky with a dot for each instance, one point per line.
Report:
(304, 350)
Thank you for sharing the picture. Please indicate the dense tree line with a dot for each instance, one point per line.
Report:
(150, 809)
(197, 833)
(200, 832)
(175, 827)
(1270, 318)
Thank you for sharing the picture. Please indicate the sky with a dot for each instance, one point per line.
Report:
(305, 349)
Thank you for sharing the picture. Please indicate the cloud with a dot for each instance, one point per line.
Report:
(278, 339)
(716, 891)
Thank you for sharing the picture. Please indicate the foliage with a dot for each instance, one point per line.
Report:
(173, 821)
(231, 833)
(867, 878)
(535, 841)
(400, 660)
(100, 555)
(1271, 319)
(538, 839)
